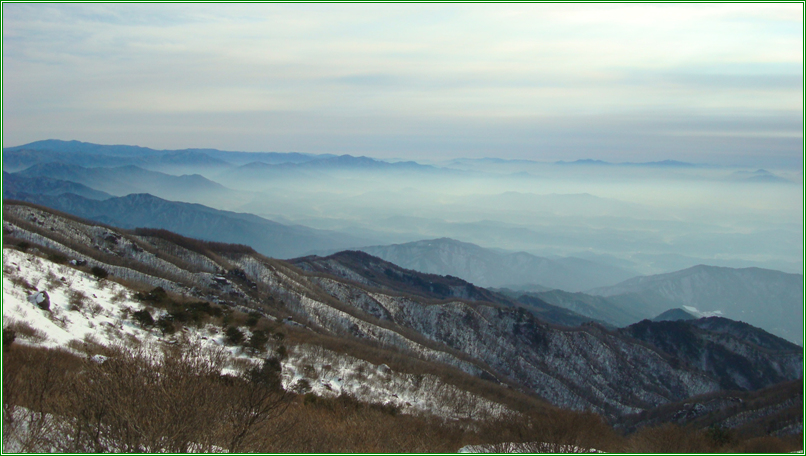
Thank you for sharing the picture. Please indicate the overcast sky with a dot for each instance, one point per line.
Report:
(708, 83)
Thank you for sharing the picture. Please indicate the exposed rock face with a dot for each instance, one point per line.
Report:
(40, 299)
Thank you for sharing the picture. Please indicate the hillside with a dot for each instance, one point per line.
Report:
(373, 272)
(768, 299)
(614, 374)
(674, 315)
(725, 349)
(123, 180)
(490, 268)
(147, 211)
(14, 185)
(596, 307)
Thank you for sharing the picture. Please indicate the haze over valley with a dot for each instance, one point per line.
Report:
(405, 228)
(647, 218)
(523, 230)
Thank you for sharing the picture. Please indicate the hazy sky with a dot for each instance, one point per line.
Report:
(714, 83)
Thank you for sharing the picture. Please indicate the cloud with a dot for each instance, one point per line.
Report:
(459, 68)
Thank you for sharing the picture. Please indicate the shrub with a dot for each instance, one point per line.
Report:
(179, 315)
(234, 335)
(668, 438)
(165, 325)
(195, 312)
(309, 398)
(302, 386)
(57, 258)
(19, 281)
(9, 336)
(252, 319)
(144, 318)
(157, 295)
(719, 435)
(53, 281)
(267, 374)
(99, 272)
(95, 309)
(76, 299)
(119, 297)
(24, 330)
(258, 340)
(765, 444)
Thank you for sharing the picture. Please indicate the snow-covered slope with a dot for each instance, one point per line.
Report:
(84, 309)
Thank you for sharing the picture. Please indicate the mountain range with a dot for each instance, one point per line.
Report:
(123, 180)
(490, 268)
(14, 184)
(89, 154)
(147, 211)
(769, 299)
(587, 367)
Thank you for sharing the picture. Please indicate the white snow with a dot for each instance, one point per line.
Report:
(104, 317)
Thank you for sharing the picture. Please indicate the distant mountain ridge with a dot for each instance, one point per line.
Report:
(654, 164)
(57, 145)
(14, 184)
(489, 268)
(758, 176)
(372, 271)
(674, 315)
(97, 155)
(122, 180)
(91, 155)
(195, 220)
(765, 298)
(581, 161)
(596, 307)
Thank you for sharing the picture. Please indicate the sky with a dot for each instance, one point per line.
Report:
(704, 83)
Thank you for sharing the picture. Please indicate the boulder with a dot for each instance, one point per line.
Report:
(40, 299)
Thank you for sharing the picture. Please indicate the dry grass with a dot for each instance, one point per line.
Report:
(25, 331)
(177, 401)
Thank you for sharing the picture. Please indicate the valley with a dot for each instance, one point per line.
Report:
(485, 345)
(407, 228)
